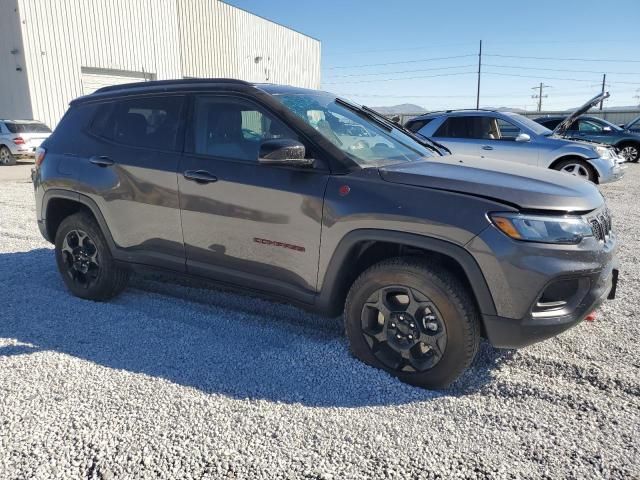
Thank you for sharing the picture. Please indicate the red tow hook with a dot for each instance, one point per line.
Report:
(591, 317)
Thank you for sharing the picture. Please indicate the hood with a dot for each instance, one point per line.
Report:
(562, 126)
(529, 188)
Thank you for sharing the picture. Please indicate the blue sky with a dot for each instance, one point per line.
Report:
(406, 41)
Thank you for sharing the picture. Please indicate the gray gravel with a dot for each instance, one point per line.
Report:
(170, 381)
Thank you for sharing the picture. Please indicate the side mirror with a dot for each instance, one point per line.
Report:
(607, 129)
(284, 152)
(523, 137)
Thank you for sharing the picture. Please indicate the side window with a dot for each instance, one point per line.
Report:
(417, 125)
(507, 130)
(150, 122)
(469, 127)
(589, 127)
(233, 128)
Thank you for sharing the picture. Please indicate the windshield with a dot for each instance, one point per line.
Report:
(27, 127)
(366, 142)
(535, 127)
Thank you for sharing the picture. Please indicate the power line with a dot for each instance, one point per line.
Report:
(403, 62)
(401, 71)
(399, 78)
(565, 59)
(560, 69)
(539, 77)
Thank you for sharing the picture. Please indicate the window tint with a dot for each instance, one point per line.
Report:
(150, 122)
(469, 127)
(507, 130)
(589, 126)
(416, 125)
(234, 128)
(551, 123)
(27, 127)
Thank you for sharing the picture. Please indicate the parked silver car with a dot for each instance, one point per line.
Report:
(509, 136)
(19, 139)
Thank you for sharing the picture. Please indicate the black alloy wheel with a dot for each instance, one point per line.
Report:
(81, 259)
(404, 329)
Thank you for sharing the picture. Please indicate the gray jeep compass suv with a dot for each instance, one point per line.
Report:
(309, 198)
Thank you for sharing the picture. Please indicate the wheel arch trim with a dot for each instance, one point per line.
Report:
(331, 284)
(54, 194)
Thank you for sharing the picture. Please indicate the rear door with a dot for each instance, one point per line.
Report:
(248, 224)
(487, 136)
(459, 134)
(130, 171)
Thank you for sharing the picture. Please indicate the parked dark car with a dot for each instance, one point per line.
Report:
(312, 199)
(587, 127)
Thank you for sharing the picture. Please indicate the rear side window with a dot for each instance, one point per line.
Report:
(469, 127)
(149, 122)
(27, 127)
(551, 124)
(415, 125)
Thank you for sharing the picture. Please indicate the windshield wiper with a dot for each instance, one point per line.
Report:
(352, 106)
(390, 125)
(421, 139)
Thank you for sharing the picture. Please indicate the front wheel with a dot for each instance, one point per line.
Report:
(630, 152)
(577, 168)
(414, 320)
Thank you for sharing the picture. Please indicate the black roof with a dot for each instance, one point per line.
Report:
(155, 86)
(184, 82)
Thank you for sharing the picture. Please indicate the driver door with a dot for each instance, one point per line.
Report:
(253, 225)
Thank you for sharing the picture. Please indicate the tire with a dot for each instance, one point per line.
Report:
(446, 311)
(577, 167)
(80, 244)
(630, 151)
(6, 157)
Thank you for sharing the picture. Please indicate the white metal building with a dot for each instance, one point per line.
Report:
(52, 51)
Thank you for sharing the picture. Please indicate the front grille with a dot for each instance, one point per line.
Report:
(601, 225)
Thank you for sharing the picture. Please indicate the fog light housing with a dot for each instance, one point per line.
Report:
(560, 297)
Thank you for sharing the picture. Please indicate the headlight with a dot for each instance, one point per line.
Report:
(542, 228)
(603, 152)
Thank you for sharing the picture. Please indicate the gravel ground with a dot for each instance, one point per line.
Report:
(169, 381)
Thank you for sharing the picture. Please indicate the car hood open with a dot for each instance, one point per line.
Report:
(526, 187)
(562, 126)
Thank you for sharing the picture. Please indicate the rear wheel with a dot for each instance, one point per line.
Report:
(84, 260)
(630, 152)
(414, 320)
(578, 168)
(6, 157)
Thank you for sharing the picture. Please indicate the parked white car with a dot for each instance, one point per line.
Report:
(19, 139)
(498, 135)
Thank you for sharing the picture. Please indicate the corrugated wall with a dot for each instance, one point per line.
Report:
(165, 38)
(62, 36)
(14, 87)
(220, 40)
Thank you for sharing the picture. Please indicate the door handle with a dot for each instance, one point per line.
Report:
(101, 161)
(200, 176)
(487, 147)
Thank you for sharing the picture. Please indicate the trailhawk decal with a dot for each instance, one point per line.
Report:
(273, 243)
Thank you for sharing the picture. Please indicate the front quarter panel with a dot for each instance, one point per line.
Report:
(372, 203)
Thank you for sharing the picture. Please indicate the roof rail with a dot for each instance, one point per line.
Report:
(160, 83)
(463, 110)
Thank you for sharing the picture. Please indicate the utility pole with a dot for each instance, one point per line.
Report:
(479, 71)
(539, 96)
(604, 81)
